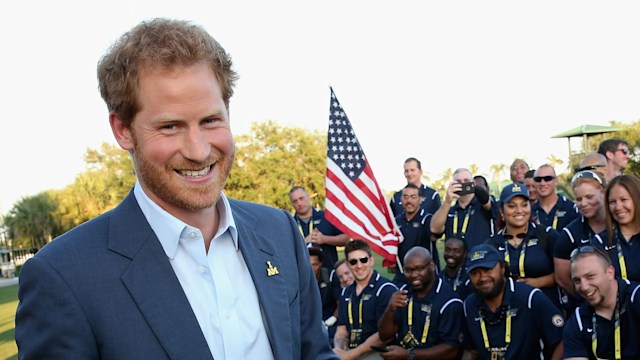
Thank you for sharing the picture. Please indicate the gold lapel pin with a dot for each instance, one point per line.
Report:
(271, 270)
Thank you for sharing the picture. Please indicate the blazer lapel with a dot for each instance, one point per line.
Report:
(154, 286)
(261, 259)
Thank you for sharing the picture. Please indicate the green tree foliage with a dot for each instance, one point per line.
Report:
(31, 221)
(108, 179)
(271, 159)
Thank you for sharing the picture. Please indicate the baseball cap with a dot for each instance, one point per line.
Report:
(512, 190)
(483, 256)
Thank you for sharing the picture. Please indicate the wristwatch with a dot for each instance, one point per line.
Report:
(412, 354)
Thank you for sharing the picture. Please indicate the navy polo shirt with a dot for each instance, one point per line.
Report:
(538, 259)
(579, 328)
(577, 233)
(534, 318)
(329, 301)
(374, 299)
(480, 225)
(561, 214)
(417, 232)
(446, 317)
(630, 251)
(329, 253)
(459, 283)
(430, 201)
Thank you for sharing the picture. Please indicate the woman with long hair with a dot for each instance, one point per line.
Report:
(621, 238)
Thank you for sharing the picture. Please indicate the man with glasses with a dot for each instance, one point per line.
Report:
(426, 320)
(593, 162)
(551, 209)
(508, 319)
(414, 224)
(607, 324)
(361, 304)
(617, 153)
(429, 197)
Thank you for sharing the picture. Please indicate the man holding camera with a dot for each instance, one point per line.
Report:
(472, 217)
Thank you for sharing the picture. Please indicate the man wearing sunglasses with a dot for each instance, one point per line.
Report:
(507, 319)
(551, 209)
(617, 153)
(426, 319)
(361, 305)
(607, 325)
(593, 162)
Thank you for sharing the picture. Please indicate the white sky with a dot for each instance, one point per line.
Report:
(450, 82)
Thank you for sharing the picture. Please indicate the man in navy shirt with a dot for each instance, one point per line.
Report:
(315, 229)
(426, 320)
(471, 218)
(607, 324)
(361, 304)
(454, 273)
(508, 319)
(551, 209)
(429, 198)
(415, 225)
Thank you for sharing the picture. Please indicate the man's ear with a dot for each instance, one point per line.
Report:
(121, 132)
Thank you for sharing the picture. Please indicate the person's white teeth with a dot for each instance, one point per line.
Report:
(195, 173)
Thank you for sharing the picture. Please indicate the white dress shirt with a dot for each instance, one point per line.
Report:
(217, 284)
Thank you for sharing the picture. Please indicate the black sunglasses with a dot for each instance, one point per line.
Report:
(363, 260)
(586, 175)
(545, 178)
(624, 151)
(510, 236)
(589, 249)
(591, 167)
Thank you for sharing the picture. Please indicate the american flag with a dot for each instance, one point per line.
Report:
(354, 202)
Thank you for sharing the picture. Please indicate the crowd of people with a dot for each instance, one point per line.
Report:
(530, 274)
(179, 271)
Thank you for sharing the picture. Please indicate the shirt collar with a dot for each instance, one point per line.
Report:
(168, 228)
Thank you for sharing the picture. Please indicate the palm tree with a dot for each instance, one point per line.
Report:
(475, 169)
(496, 173)
(554, 161)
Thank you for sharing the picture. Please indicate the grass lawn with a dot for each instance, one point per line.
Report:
(8, 305)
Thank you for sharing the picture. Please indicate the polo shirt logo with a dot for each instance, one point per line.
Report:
(415, 224)
(366, 297)
(532, 242)
(561, 213)
(425, 308)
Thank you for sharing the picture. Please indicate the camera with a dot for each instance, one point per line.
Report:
(467, 188)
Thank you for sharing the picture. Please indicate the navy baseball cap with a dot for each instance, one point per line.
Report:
(512, 190)
(483, 256)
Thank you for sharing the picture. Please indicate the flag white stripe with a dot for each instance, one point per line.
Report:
(353, 189)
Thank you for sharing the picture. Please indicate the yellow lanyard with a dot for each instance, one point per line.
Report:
(623, 266)
(465, 222)
(310, 227)
(520, 260)
(507, 332)
(427, 321)
(359, 313)
(617, 343)
(555, 219)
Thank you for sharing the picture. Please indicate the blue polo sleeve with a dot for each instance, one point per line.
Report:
(549, 320)
(451, 322)
(574, 341)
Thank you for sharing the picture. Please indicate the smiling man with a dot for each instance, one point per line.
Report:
(607, 325)
(507, 319)
(176, 270)
(425, 320)
(361, 304)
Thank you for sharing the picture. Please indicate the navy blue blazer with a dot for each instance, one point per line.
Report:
(106, 290)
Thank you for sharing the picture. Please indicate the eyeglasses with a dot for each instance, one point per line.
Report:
(589, 249)
(510, 236)
(545, 178)
(408, 271)
(586, 175)
(363, 260)
(624, 151)
(591, 167)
